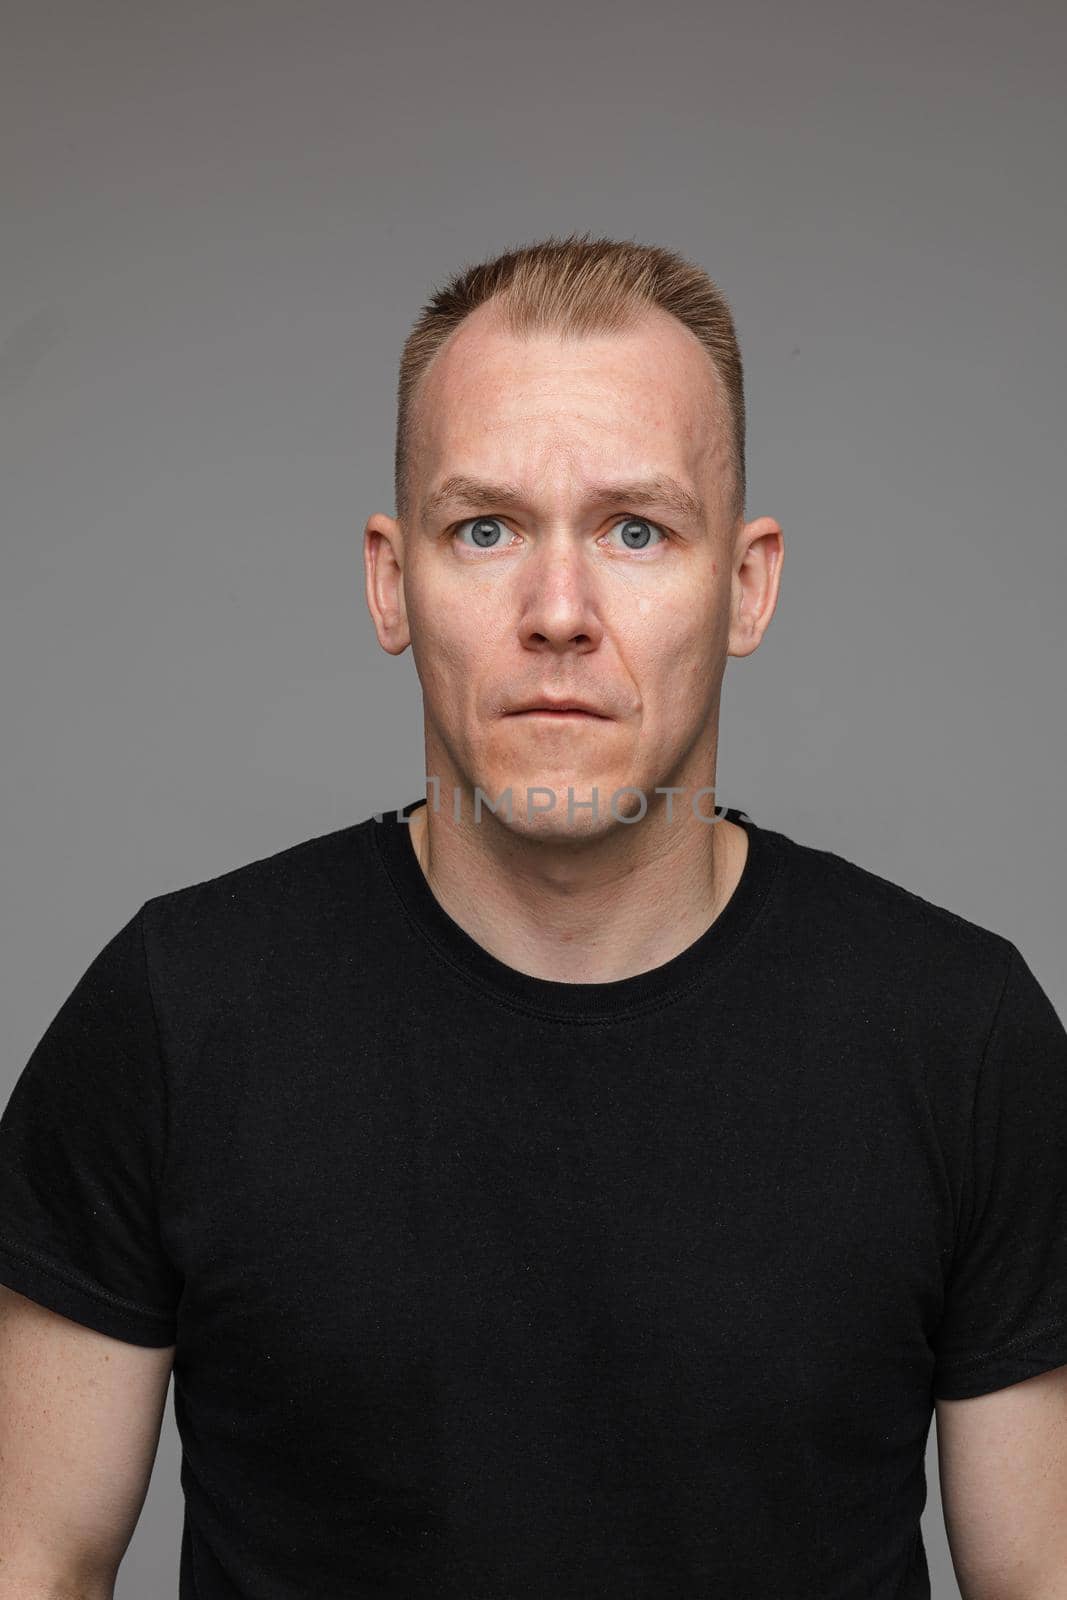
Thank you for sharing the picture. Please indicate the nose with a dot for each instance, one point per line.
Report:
(558, 602)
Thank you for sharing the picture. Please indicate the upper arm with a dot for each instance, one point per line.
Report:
(1002, 1463)
(80, 1416)
(1000, 1375)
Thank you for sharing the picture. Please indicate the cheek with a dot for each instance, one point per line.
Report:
(673, 656)
(448, 623)
(458, 610)
(453, 648)
(666, 633)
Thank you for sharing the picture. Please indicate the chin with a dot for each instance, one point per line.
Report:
(571, 816)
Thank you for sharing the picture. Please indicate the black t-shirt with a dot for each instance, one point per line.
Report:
(487, 1286)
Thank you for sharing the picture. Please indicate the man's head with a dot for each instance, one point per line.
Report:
(570, 492)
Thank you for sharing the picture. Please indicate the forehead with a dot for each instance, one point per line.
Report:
(649, 389)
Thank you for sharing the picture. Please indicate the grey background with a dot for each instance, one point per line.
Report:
(218, 224)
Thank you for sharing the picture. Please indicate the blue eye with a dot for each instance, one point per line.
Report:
(485, 531)
(635, 532)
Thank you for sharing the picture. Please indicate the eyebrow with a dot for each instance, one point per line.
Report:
(660, 490)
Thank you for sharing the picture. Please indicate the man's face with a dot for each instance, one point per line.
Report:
(569, 584)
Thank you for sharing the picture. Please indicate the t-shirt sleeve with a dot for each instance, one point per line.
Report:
(1005, 1312)
(82, 1145)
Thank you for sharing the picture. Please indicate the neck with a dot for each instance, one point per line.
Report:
(593, 910)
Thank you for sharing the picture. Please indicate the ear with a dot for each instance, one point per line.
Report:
(758, 556)
(383, 567)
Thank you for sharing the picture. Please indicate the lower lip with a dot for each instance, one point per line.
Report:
(563, 716)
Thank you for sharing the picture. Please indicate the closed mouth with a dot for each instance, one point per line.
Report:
(563, 710)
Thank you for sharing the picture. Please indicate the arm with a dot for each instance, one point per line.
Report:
(80, 1416)
(1002, 1463)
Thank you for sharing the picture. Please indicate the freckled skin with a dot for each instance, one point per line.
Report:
(560, 603)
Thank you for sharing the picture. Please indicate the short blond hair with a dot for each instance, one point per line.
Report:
(578, 285)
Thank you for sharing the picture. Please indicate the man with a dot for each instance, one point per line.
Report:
(552, 1188)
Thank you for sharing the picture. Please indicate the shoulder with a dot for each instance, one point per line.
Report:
(866, 928)
(279, 902)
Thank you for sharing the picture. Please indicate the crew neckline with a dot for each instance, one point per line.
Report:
(577, 1002)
